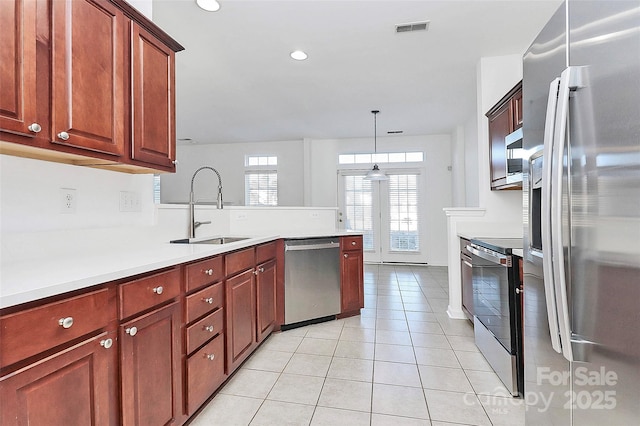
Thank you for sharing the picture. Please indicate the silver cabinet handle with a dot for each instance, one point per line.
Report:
(63, 135)
(66, 322)
(107, 343)
(158, 290)
(210, 357)
(35, 127)
(208, 300)
(131, 331)
(208, 328)
(209, 272)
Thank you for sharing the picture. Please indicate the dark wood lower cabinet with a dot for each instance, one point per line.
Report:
(151, 368)
(241, 314)
(352, 277)
(205, 373)
(76, 386)
(265, 299)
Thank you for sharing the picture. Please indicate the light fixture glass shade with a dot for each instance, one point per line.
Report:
(299, 55)
(376, 174)
(208, 5)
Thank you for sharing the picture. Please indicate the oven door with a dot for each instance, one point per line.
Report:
(493, 292)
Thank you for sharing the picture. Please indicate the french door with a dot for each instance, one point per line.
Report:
(386, 212)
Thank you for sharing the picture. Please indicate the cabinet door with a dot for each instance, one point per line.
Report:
(76, 386)
(500, 125)
(352, 281)
(241, 323)
(18, 66)
(151, 372)
(153, 139)
(88, 75)
(517, 109)
(266, 299)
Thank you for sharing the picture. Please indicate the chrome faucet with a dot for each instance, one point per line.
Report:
(192, 223)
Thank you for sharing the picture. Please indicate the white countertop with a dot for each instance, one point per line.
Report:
(32, 279)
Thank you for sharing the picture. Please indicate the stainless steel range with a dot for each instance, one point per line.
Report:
(497, 307)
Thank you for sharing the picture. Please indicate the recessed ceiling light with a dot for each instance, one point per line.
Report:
(208, 5)
(299, 55)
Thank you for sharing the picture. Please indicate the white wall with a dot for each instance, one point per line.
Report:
(30, 199)
(229, 159)
(458, 173)
(495, 77)
(471, 186)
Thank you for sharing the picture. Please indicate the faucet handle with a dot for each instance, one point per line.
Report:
(196, 224)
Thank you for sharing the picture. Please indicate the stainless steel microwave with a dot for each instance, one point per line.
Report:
(514, 152)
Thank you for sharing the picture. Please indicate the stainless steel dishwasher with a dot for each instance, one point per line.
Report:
(311, 280)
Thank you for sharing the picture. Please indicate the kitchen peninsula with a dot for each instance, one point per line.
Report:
(150, 321)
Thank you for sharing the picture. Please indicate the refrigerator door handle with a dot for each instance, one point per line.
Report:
(547, 256)
(567, 82)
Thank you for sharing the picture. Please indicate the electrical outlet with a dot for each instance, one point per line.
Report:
(68, 198)
(315, 215)
(130, 201)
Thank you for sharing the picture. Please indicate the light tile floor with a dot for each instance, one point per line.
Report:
(403, 361)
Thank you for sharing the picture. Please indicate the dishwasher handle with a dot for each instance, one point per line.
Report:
(320, 246)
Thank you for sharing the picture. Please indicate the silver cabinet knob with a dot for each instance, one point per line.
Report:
(345, 255)
(209, 272)
(208, 300)
(210, 357)
(519, 290)
(208, 328)
(158, 290)
(63, 135)
(35, 127)
(66, 322)
(353, 243)
(107, 343)
(261, 269)
(255, 272)
(131, 331)
(174, 162)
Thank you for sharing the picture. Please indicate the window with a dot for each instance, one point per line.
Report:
(403, 213)
(261, 180)
(381, 157)
(358, 200)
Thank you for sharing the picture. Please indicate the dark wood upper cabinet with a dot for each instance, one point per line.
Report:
(153, 118)
(88, 75)
(504, 118)
(18, 68)
(87, 82)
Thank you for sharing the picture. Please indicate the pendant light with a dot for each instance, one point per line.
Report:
(375, 173)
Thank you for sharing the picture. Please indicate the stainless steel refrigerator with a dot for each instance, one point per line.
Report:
(581, 204)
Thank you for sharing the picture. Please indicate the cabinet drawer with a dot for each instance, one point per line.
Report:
(32, 331)
(205, 329)
(204, 272)
(351, 243)
(139, 295)
(205, 372)
(203, 301)
(265, 252)
(239, 261)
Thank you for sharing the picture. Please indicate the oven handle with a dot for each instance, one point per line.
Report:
(496, 258)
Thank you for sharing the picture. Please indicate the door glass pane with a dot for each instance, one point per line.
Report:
(359, 208)
(403, 213)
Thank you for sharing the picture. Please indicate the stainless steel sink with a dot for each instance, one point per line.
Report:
(209, 240)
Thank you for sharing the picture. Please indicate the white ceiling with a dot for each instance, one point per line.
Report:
(235, 82)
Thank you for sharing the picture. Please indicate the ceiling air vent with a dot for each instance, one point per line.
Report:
(413, 26)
